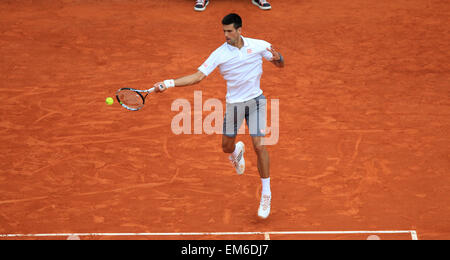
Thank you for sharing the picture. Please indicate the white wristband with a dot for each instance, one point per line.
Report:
(170, 83)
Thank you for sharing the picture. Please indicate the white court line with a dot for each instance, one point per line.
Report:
(413, 233)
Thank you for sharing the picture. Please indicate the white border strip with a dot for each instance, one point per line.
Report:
(414, 235)
(266, 234)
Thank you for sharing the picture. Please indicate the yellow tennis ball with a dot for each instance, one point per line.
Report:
(109, 100)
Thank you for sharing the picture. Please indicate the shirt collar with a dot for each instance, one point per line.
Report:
(231, 47)
(245, 41)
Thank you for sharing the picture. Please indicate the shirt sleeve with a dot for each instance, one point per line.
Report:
(266, 54)
(210, 64)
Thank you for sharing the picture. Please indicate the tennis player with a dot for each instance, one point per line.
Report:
(240, 63)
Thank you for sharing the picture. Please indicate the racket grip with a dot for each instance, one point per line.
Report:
(160, 86)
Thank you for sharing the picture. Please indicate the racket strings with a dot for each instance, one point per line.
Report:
(130, 99)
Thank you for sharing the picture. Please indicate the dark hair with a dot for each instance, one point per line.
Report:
(234, 19)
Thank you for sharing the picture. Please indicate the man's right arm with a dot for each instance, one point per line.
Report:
(190, 79)
(182, 82)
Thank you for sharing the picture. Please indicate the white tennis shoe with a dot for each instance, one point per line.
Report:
(262, 4)
(238, 160)
(200, 5)
(264, 206)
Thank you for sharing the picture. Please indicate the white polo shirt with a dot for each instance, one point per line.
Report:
(241, 68)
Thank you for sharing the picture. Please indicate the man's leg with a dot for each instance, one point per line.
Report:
(228, 144)
(264, 172)
(262, 157)
(263, 164)
(234, 117)
(257, 118)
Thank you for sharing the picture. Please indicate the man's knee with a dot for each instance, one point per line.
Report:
(259, 146)
(260, 149)
(228, 146)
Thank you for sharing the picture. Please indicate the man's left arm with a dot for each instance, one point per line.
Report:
(277, 58)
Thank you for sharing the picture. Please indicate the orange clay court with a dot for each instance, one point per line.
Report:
(364, 135)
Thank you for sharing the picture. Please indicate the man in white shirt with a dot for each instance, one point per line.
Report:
(240, 63)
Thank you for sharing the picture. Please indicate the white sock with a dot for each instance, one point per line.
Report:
(266, 186)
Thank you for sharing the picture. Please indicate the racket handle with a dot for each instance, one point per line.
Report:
(160, 86)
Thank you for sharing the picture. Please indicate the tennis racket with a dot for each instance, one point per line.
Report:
(133, 99)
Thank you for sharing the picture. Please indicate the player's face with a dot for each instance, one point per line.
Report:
(232, 35)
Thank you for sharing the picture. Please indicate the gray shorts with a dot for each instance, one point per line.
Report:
(255, 114)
